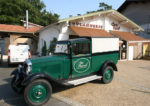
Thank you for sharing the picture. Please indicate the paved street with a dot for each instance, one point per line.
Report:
(8, 97)
(130, 87)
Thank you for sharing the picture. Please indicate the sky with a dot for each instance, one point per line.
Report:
(73, 7)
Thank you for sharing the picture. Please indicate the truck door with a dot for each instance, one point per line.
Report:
(81, 59)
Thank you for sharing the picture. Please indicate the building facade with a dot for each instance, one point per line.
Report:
(99, 24)
(15, 34)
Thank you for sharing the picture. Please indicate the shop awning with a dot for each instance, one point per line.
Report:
(127, 36)
(81, 31)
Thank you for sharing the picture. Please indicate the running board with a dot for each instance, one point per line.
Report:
(84, 80)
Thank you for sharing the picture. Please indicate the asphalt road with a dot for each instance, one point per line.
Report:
(9, 98)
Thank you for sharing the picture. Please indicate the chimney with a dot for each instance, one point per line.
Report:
(70, 15)
(27, 19)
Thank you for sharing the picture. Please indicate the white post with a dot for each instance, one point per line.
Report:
(27, 19)
(127, 50)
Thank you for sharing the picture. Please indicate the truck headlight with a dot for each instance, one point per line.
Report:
(19, 68)
(28, 67)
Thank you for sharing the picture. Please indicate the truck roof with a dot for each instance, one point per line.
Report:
(74, 40)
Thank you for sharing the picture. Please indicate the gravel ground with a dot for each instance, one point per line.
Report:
(130, 87)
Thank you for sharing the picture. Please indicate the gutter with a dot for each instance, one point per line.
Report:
(138, 41)
(17, 32)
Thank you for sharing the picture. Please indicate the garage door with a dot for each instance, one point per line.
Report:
(1, 45)
(1, 49)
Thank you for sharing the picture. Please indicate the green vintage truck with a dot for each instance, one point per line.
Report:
(73, 62)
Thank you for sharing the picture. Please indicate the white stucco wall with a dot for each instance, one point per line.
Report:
(64, 32)
(106, 22)
(47, 35)
(60, 32)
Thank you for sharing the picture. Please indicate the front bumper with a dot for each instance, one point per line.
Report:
(17, 82)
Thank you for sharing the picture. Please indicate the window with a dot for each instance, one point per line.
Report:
(61, 49)
(80, 49)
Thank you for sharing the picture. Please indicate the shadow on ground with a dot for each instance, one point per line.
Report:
(5, 65)
(8, 96)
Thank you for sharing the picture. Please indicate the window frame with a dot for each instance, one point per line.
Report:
(89, 54)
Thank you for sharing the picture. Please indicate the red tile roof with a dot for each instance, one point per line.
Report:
(81, 31)
(127, 36)
(17, 29)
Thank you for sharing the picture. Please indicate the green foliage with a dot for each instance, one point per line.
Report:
(44, 49)
(102, 7)
(12, 11)
(51, 47)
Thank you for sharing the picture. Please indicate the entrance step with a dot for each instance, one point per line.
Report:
(84, 80)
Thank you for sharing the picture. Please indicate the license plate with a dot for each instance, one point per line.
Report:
(14, 59)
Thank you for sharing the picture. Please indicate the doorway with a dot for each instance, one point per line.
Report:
(130, 53)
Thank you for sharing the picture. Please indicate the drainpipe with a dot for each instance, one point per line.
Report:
(127, 50)
(27, 19)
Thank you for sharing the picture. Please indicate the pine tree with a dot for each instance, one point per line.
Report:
(44, 49)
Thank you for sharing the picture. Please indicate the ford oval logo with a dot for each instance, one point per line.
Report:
(81, 65)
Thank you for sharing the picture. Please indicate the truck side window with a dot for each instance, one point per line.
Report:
(80, 49)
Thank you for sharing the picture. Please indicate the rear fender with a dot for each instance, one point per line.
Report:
(108, 63)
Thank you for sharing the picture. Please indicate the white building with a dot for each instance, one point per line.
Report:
(98, 24)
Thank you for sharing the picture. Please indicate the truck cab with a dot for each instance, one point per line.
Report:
(73, 62)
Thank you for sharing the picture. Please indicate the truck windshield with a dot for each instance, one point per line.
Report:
(59, 48)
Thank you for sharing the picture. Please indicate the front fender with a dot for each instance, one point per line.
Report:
(39, 76)
(15, 72)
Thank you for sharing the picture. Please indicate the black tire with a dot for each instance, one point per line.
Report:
(18, 90)
(29, 87)
(12, 84)
(8, 63)
(107, 75)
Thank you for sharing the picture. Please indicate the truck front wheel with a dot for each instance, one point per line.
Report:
(38, 92)
(107, 75)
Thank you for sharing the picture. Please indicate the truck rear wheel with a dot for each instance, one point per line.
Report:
(37, 92)
(107, 75)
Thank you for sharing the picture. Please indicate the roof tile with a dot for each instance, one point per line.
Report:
(81, 31)
(17, 28)
(127, 36)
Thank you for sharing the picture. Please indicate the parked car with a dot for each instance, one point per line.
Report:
(18, 53)
(73, 62)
